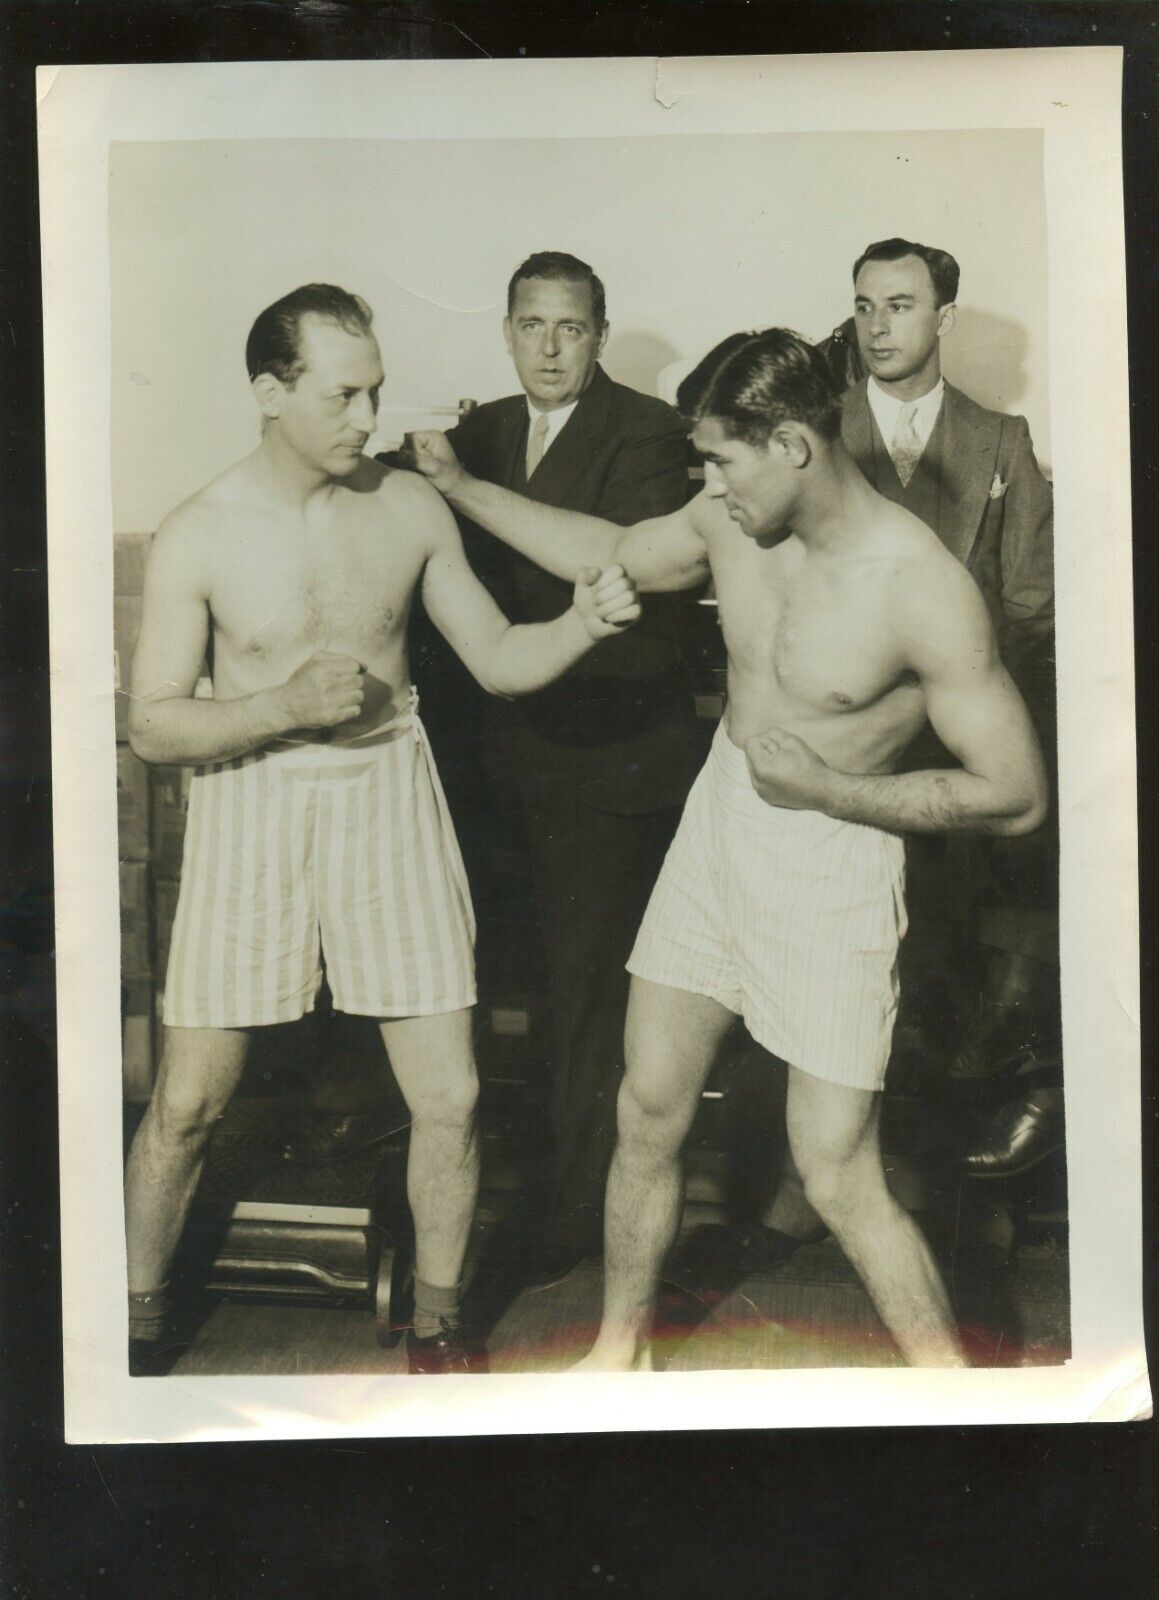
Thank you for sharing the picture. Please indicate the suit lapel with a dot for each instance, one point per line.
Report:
(857, 427)
(969, 454)
(577, 442)
(510, 443)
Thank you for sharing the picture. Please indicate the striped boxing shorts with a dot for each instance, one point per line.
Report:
(303, 853)
(791, 919)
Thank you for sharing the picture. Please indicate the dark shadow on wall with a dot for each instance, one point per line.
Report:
(638, 359)
(985, 357)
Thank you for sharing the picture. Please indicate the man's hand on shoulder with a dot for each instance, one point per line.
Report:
(606, 601)
(786, 772)
(429, 452)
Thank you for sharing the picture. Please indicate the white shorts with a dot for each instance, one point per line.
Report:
(789, 918)
(302, 852)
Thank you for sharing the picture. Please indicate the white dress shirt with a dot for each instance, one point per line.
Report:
(886, 409)
(555, 421)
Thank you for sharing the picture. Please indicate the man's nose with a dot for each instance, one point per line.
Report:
(713, 480)
(550, 341)
(879, 321)
(362, 413)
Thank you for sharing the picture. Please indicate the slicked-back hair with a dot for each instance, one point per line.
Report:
(753, 382)
(943, 269)
(274, 343)
(559, 267)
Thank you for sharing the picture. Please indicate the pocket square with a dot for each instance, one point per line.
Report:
(998, 488)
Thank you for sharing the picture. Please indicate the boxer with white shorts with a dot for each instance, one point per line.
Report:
(791, 919)
(847, 625)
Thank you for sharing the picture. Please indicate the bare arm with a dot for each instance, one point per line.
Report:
(662, 553)
(509, 659)
(165, 723)
(973, 707)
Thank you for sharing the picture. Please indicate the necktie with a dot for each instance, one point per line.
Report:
(535, 444)
(906, 449)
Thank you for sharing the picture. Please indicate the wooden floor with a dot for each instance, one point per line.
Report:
(810, 1313)
(1009, 1286)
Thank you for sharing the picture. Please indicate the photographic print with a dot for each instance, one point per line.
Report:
(606, 918)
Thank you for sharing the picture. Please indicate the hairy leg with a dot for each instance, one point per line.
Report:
(200, 1069)
(434, 1063)
(671, 1040)
(833, 1133)
(789, 1211)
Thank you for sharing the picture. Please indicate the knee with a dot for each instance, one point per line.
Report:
(184, 1114)
(448, 1104)
(830, 1183)
(647, 1115)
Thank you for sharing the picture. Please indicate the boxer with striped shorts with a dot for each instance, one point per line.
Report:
(847, 625)
(318, 831)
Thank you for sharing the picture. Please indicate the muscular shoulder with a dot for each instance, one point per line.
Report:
(934, 603)
(182, 549)
(412, 504)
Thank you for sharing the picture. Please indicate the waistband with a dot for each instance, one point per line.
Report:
(733, 792)
(325, 752)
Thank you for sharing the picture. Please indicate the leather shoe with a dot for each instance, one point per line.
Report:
(995, 1040)
(449, 1350)
(1022, 1133)
(336, 1136)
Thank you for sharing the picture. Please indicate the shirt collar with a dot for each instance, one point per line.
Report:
(555, 420)
(886, 409)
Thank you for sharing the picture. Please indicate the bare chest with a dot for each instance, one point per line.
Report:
(284, 592)
(814, 633)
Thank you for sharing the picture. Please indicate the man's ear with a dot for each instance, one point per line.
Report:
(794, 443)
(268, 394)
(507, 335)
(604, 331)
(947, 316)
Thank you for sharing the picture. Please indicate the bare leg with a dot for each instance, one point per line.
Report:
(434, 1063)
(833, 1132)
(789, 1211)
(671, 1040)
(200, 1069)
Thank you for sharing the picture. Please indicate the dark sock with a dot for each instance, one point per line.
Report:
(435, 1308)
(147, 1314)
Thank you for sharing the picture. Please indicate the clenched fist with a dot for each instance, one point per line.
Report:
(606, 601)
(786, 772)
(428, 451)
(325, 691)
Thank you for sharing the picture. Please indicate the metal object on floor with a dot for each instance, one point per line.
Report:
(314, 1253)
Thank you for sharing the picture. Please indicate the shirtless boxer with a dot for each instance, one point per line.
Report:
(317, 824)
(847, 625)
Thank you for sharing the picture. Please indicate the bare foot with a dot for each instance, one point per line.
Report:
(617, 1358)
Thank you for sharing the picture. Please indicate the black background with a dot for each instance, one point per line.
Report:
(960, 1512)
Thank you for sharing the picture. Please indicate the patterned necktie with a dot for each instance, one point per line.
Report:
(906, 449)
(535, 444)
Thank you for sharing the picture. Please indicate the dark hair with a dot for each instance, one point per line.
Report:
(752, 382)
(274, 340)
(942, 267)
(558, 267)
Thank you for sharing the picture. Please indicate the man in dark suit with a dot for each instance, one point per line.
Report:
(603, 761)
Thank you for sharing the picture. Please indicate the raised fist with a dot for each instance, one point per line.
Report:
(606, 601)
(325, 691)
(786, 772)
(428, 451)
